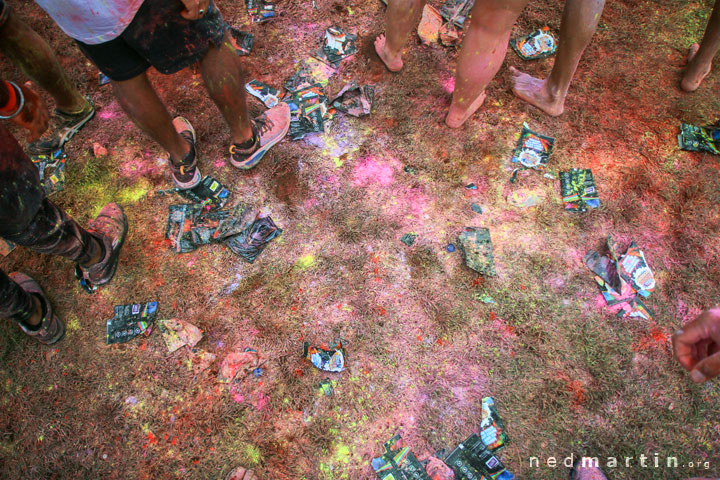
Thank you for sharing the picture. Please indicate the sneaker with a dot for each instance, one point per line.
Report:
(51, 329)
(186, 175)
(62, 127)
(111, 227)
(268, 129)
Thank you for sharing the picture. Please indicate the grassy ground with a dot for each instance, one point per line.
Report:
(568, 376)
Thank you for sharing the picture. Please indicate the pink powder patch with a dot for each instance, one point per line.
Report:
(448, 84)
(111, 111)
(371, 170)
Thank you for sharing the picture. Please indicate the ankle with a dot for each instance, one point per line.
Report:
(98, 249)
(39, 312)
(186, 154)
(73, 107)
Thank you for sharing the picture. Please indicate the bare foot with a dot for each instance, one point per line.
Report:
(239, 473)
(535, 92)
(694, 74)
(457, 116)
(393, 63)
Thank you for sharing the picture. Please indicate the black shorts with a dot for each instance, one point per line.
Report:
(158, 36)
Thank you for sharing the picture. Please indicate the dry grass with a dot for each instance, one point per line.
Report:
(422, 351)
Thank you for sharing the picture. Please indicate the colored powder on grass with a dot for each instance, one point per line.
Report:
(371, 170)
(448, 84)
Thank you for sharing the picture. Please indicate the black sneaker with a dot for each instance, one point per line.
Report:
(51, 329)
(62, 127)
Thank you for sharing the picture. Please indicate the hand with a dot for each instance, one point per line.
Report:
(34, 116)
(193, 9)
(697, 346)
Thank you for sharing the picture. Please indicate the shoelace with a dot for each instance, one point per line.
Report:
(84, 279)
(264, 124)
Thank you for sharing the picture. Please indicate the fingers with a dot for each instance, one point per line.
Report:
(691, 343)
(706, 369)
(194, 9)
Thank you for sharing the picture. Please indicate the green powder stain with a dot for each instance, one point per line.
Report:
(73, 324)
(133, 194)
(305, 262)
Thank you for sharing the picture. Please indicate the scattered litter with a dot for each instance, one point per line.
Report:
(52, 170)
(410, 170)
(260, 10)
(533, 150)
(623, 278)
(538, 44)
(430, 24)
(177, 333)
(253, 239)
(524, 198)
(477, 208)
(241, 41)
(492, 430)
(309, 73)
(330, 359)
(6, 247)
(130, 321)
(476, 245)
(408, 239)
(338, 44)
(190, 226)
(484, 298)
(456, 11)
(309, 111)
(471, 460)
(326, 387)
(248, 360)
(355, 100)
(578, 190)
(699, 139)
(450, 35)
(400, 464)
(209, 193)
(199, 360)
(265, 93)
(103, 79)
(258, 372)
(471, 186)
(450, 247)
(437, 469)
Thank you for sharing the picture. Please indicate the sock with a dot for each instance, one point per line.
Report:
(248, 143)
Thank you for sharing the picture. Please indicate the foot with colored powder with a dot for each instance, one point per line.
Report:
(393, 61)
(696, 71)
(240, 473)
(585, 469)
(538, 93)
(458, 115)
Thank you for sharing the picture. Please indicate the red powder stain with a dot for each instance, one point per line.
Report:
(657, 339)
(152, 439)
(382, 311)
(575, 387)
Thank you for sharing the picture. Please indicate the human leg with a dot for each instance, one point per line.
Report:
(224, 80)
(482, 53)
(31, 53)
(701, 56)
(400, 18)
(579, 22)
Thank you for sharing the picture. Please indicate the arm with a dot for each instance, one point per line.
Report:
(697, 346)
(24, 107)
